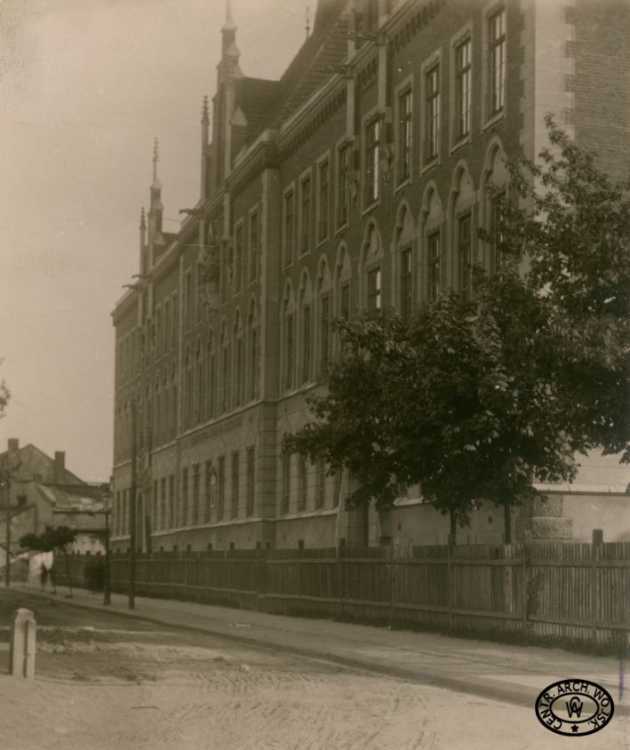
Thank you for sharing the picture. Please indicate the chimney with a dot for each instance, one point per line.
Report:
(13, 445)
(60, 467)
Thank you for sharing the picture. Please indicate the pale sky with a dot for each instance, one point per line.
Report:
(85, 87)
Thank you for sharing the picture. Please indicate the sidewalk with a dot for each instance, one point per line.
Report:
(514, 674)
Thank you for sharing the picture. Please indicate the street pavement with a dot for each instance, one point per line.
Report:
(513, 674)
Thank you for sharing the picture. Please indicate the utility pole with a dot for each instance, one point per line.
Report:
(132, 506)
(7, 567)
(107, 591)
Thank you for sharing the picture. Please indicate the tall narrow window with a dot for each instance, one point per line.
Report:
(199, 389)
(305, 218)
(496, 232)
(374, 290)
(306, 343)
(465, 254)
(253, 362)
(225, 387)
(196, 494)
(238, 260)
(289, 228)
(404, 136)
(253, 247)
(434, 264)
(235, 482)
(154, 505)
(343, 187)
(251, 479)
(496, 61)
(406, 279)
(302, 479)
(184, 508)
(189, 298)
(221, 487)
(432, 113)
(239, 367)
(463, 72)
(290, 352)
(324, 200)
(344, 302)
(171, 501)
(175, 321)
(286, 482)
(372, 161)
(210, 378)
(320, 495)
(324, 332)
(161, 514)
(210, 491)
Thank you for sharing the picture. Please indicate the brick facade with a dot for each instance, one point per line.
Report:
(358, 180)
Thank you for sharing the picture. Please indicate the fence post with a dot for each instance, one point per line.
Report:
(22, 649)
(391, 583)
(451, 578)
(341, 576)
(525, 581)
(597, 540)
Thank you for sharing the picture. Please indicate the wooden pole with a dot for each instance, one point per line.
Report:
(7, 567)
(132, 507)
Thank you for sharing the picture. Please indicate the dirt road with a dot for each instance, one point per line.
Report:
(106, 682)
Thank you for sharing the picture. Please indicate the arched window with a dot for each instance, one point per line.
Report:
(252, 353)
(225, 367)
(288, 338)
(432, 234)
(210, 385)
(305, 329)
(188, 389)
(342, 301)
(199, 384)
(371, 261)
(404, 264)
(324, 314)
(494, 184)
(239, 361)
(174, 427)
(462, 231)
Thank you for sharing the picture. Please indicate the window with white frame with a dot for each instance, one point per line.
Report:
(432, 112)
(289, 228)
(496, 61)
(305, 215)
(253, 246)
(463, 88)
(464, 246)
(238, 259)
(374, 279)
(344, 156)
(372, 162)
(404, 135)
(434, 264)
(323, 204)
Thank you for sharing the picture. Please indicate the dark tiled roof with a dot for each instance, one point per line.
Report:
(259, 98)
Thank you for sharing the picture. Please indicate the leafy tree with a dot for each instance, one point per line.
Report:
(52, 539)
(475, 398)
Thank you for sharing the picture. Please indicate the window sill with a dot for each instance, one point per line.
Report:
(403, 184)
(370, 207)
(322, 241)
(494, 119)
(428, 166)
(461, 142)
(341, 228)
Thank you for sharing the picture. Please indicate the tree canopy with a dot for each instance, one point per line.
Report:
(50, 540)
(477, 397)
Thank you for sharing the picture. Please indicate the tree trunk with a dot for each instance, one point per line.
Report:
(507, 523)
(453, 530)
(65, 554)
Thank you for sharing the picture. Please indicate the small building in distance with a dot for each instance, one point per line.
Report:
(43, 492)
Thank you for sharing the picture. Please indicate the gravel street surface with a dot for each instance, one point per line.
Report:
(105, 681)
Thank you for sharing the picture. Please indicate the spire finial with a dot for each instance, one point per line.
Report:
(308, 20)
(205, 114)
(156, 157)
(229, 24)
(143, 222)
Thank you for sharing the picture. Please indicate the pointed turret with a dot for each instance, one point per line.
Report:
(205, 131)
(156, 209)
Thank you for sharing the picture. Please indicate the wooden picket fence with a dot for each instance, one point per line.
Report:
(569, 591)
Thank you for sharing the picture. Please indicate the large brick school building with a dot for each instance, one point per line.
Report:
(357, 181)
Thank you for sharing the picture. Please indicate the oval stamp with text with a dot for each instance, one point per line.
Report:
(574, 707)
